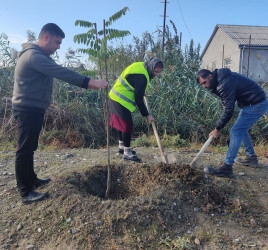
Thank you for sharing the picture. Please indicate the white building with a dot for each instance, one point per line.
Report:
(241, 48)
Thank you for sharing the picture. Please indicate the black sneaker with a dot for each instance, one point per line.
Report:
(250, 161)
(224, 170)
(121, 151)
(41, 182)
(131, 158)
(33, 196)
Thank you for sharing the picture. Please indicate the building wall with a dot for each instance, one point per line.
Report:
(222, 52)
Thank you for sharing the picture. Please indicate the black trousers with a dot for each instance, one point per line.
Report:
(29, 127)
(125, 137)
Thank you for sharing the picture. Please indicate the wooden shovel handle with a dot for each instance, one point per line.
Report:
(156, 134)
(159, 143)
(193, 163)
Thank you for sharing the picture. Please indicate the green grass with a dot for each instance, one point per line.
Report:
(167, 141)
(181, 243)
(7, 145)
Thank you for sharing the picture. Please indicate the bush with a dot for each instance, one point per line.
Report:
(184, 112)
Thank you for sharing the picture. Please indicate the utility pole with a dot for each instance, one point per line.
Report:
(164, 25)
(249, 43)
(222, 60)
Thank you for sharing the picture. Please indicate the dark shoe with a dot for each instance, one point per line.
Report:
(34, 196)
(250, 161)
(224, 170)
(131, 158)
(121, 151)
(40, 183)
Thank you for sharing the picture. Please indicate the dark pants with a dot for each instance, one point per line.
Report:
(124, 137)
(29, 127)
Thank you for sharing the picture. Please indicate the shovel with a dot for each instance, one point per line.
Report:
(165, 158)
(202, 150)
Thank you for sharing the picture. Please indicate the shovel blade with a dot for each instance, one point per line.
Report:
(171, 158)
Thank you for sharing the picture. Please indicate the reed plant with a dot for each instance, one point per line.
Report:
(179, 105)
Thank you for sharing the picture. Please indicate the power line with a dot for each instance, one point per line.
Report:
(184, 19)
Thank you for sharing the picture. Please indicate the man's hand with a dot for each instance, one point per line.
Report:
(150, 119)
(97, 84)
(215, 133)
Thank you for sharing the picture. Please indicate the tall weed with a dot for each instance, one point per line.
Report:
(77, 117)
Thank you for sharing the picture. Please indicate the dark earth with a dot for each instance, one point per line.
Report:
(151, 205)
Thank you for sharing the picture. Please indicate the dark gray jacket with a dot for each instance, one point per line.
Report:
(232, 87)
(34, 75)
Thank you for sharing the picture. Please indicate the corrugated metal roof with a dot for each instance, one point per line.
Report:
(241, 33)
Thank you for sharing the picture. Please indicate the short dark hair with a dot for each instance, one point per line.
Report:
(52, 29)
(204, 73)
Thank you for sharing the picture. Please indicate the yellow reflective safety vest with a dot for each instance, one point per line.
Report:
(122, 91)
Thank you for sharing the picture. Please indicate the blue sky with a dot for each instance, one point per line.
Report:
(196, 19)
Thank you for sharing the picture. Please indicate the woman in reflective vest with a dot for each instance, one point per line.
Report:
(127, 93)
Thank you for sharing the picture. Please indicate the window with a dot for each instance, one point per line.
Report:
(227, 63)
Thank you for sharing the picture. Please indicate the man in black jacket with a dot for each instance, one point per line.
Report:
(252, 100)
(34, 73)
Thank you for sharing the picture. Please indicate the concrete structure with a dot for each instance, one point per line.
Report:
(241, 48)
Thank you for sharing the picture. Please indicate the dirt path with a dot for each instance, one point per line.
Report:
(151, 205)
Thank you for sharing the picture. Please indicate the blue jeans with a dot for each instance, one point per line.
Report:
(239, 132)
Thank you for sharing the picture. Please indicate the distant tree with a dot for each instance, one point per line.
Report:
(8, 55)
(73, 60)
(31, 36)
(147, 43)
(192, 56)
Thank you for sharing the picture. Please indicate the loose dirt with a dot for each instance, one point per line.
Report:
(151, 205)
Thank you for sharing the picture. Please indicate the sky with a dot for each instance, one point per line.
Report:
(196, 19)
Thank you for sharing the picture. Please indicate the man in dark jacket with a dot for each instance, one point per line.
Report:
(252, 100)
(32, 92)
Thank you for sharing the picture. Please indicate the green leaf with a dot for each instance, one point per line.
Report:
(116, 16)
(85, 24)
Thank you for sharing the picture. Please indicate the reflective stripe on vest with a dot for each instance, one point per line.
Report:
(123, 97)
(125, 85)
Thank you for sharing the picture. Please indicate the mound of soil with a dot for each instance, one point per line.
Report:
(142, 180)
(150, 206)
(162, 197)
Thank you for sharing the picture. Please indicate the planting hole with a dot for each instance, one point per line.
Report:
(132, 181)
